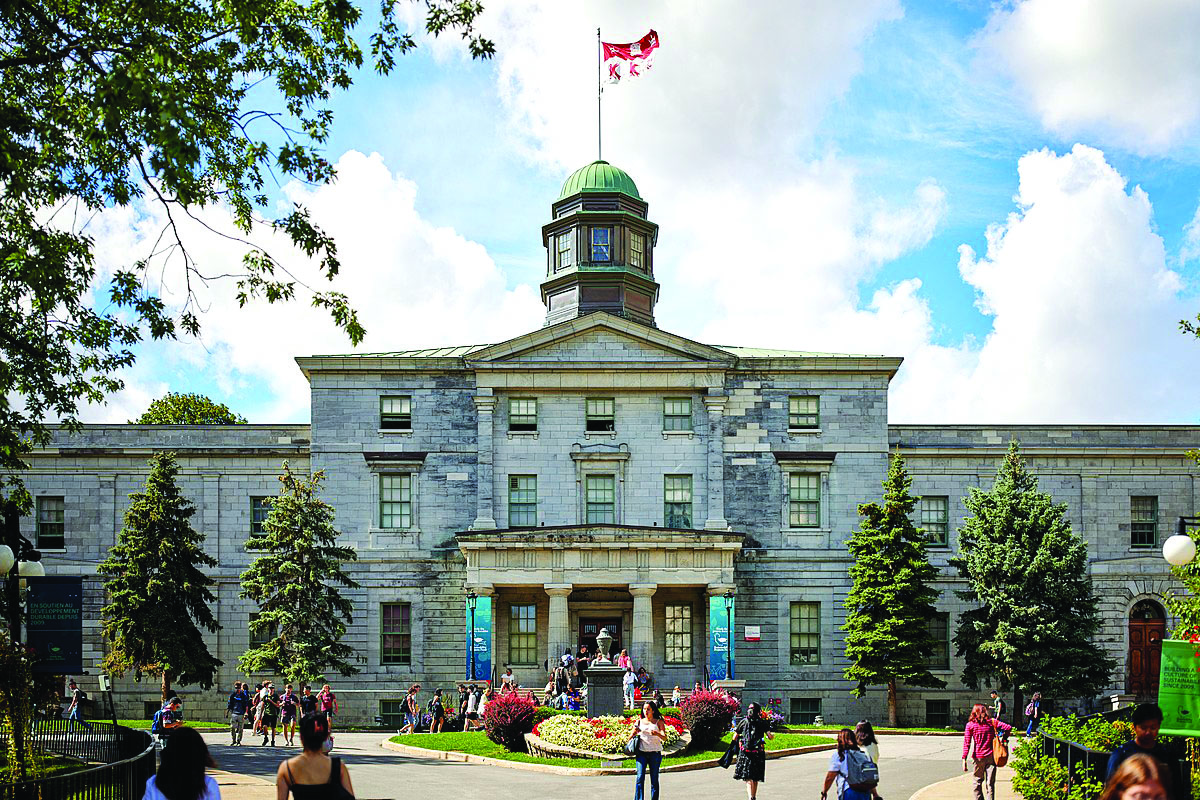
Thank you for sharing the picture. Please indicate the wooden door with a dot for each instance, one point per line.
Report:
(589, 628)
(1145, 655)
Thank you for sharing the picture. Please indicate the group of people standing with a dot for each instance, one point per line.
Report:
(268, 709)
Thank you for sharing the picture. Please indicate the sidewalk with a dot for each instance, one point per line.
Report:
(243, 787)
(961, 787)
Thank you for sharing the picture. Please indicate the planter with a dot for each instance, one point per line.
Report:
(543, 749)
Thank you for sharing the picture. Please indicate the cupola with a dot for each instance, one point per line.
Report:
(599, 248)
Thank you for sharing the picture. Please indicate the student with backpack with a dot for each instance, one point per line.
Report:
(856, 776)
(1033, 712)
(980, 735)
(165, 719)
(437, 712)
(75, 712)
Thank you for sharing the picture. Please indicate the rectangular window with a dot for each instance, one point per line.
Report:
(522, 501)
(805, 710)
(1143, 521)
(939, 629)
(395, 501)
(937, 713)
(522, 634)
(601, 414)
(562, 250)
(677, 414)
(260, 507)
(262, 636)
(601, 244)
(935, 519)
(391, 713)
(637, 250)
(50, 532)
(395, 413)
(522, 413)
(396, 634)
(677, 494)
(679, 635)
(601, 499)
(803, 412)
(804, 499)
(806, 633)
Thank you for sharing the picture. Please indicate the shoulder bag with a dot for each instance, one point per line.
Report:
(340, 792)
(634, 745)
(999, 747)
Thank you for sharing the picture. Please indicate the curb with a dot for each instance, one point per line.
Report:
(549, 769)
(939, 789)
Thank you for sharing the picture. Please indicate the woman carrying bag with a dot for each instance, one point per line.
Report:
(752, 750)
(645, 745)
(981, 735)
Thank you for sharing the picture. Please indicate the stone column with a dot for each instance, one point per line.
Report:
(485, 518)
(642, 644)
(715, 479)
(560, 621)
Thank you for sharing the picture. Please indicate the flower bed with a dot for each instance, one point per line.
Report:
(566, 736)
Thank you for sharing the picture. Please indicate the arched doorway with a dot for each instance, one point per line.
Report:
(1147, 628)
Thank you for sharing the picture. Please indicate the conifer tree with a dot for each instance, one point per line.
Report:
(158, 597)
(1037, 616)
(888, 640)
(295, 583)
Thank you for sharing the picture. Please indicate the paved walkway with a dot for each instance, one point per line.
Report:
(907, 764)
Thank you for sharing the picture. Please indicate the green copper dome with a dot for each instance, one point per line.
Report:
(599, 176)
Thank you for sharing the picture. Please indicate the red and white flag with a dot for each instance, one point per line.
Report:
(629, 60)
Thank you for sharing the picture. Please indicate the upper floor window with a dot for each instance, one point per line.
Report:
(805, 644)
(50, 526)
(935, 519)
(677, 414)
(522, 414)
(601, 499)
(939, 629)
(804, 499)
(395, 413)
(395, 500)
(395, 634)
(260, 507)
(260, 635)
(677, 493)
(637, 250)
(522, 634)
(522, 501)
(803, 412)
(601, 244)
(679, 635)
(601, 414)
(562, 250)
(1143, 521)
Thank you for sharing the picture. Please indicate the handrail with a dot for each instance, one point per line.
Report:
(122, 779)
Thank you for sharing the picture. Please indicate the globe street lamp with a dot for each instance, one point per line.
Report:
(728, 598)
(472, 599)
(1180, 550)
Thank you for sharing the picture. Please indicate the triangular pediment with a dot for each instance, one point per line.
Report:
(600, 337)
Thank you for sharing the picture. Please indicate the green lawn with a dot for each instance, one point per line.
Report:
(144, 724)
(477, 743)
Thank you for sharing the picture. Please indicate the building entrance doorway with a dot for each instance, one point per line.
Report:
(1147, 627)
(589, 628)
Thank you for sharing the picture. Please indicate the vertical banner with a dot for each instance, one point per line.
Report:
(1179, 688)
(721, 665)
(54, 628)
(479, 639)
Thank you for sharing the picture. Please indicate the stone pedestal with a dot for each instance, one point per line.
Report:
(604, 697)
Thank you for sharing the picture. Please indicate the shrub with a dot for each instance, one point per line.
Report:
(666, 711)
(1041, 777)
(543, 713)
(709, 715)
(507, 718)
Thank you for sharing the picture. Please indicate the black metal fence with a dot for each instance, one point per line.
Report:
(124, 760)
(1080, 761)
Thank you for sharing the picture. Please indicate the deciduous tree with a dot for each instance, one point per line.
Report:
(174, 408)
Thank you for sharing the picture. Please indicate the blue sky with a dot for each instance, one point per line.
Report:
(826, 176)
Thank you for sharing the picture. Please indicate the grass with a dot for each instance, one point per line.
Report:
(144, 724)
(477, 743)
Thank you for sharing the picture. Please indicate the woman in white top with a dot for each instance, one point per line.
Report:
(865, 735)
(650, 733)
(181, 774)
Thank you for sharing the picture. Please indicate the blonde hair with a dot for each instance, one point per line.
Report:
(1136, 770)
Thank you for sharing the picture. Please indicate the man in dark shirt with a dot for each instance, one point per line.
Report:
(998, 706)
(75, 711)
(308, 702)
(1147, 719)
(239, 703)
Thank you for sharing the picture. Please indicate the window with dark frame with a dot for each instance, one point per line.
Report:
(679, 635)
(395, 500)
(804, 412)
(600, 415)
(391, 713)
(395, 634)
(805, 646)
(601, 499)
(935, 519)
(804, 499)
(939, 629)
(395, 413)
(1143, 521)
(262, 636)
(677, 414)
(601, 244)
(805, 710)
(562, 250)
(677, 497)
(522, 501)
(522, 634)
(637, 250)
(51, 530)
(937, 713)
(522, 414)
(260, 509)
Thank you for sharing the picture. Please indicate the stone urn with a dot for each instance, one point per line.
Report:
(603, 645)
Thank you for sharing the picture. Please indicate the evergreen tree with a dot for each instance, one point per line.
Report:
(891, 603)
(295, 583)
(1037, 617)
(158, 597)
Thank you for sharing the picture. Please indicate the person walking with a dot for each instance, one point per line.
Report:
(864, 734)
(235, 709)
(289, 704)
(1139, 777)
(181, 774)
(628, 682)
(75, 710)
(412, 710)
(999, 707)
(848, 769)
(650, 731)
(471, 716)
(1034, 712)
(308, 702)
(260, 693)
(623, 660)
(752, 749)
(270, 716)
(1147, 719)
(313, 775)
(327, 704)
(981, 730)
(437, 712)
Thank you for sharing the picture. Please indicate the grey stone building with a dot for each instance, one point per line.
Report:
(601, 471)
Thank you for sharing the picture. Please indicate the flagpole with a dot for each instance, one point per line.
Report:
(599, 63)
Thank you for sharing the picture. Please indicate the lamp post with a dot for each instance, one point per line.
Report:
(1180, 550)
(18, 559)
(728, 598)
(472, 599)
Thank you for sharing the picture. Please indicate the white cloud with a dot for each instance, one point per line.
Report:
(1125, 73)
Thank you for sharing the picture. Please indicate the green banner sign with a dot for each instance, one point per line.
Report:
(1179, 688)
(721, 664)
(54, 625)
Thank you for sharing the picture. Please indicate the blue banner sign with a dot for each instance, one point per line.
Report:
(479, 639)
(721, 665)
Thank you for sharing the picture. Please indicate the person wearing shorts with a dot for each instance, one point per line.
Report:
(327, 704)
(412, 710)
(308, 702)
(289, 704)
